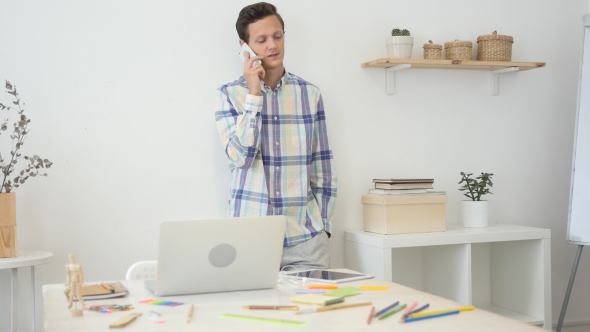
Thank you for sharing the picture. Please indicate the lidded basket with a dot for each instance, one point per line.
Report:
(459, 50)
(494, 47)
(432, 51)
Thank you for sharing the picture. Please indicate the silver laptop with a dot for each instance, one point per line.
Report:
(218, 255)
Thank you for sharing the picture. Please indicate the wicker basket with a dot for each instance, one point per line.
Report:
(432, 51)
(459, 50)
(494, 47)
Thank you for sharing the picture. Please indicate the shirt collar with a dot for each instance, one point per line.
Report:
(280, 84)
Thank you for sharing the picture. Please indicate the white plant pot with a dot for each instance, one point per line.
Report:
(399, 47)
(475, 213)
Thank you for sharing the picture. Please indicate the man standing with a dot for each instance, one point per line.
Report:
(273, 128)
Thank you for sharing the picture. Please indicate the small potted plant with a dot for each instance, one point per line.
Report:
(10, 177)
(400, 44)
(475, 210)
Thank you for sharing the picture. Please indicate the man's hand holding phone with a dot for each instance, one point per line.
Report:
(253, 74)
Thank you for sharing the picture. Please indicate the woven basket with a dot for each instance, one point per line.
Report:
(432, 51)
(459, 50)
(494, 47)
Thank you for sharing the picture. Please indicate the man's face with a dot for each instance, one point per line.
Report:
(267, 39)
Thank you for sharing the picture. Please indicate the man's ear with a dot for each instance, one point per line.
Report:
(241, 42)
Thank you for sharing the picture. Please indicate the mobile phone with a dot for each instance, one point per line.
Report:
(245, 48)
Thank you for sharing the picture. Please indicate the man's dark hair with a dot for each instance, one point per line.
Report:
(253, 13)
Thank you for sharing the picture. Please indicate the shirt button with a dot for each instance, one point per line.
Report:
(277, 168)
(276, 118)
(277, 193)
(277, 143)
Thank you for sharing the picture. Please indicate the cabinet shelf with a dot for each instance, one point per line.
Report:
(495, 68)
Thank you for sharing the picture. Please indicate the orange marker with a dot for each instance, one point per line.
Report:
(321, 286)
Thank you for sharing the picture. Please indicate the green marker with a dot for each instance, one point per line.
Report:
(264, 320)
(393, 311)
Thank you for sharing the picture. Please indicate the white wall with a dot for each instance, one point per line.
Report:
(120, 94)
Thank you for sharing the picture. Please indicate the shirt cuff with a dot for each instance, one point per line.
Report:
(253, 103)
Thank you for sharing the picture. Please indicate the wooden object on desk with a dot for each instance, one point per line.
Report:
(8, 225)
(123, 321)
(452, 64)
(212, 305)
(404, 214)
(505, 269)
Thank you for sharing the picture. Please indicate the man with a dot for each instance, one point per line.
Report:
(273, 128)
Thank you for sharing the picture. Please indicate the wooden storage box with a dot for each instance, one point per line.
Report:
(404, 214)
(7, 225)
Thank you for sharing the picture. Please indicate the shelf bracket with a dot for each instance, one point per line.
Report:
(390, 77)
(494, 74)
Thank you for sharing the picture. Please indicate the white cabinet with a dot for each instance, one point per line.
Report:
(503, 268)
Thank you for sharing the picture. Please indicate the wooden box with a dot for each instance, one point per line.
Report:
(7, 225)
(404, 214)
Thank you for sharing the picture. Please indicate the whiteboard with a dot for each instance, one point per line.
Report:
(578, 226)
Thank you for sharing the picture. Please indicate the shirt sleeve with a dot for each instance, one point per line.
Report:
(323, 174)
(239, 133)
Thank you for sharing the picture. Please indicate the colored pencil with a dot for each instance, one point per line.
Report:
(190, 313)
(417, 310)
(371, 316)
(380, 312)
(389, 313)
(271, 307)
(408, 320)
(332, 307)
(410, 308)
(428, 313)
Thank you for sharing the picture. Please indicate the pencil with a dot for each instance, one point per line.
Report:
(371, 316)
(416, 310)
(271, 307)
(190, 313)
(380, 312)
(332, 307)
(410, 308)
(389, 313)
(428, 313)
(408, 320)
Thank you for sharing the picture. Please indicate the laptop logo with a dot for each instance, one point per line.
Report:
(222, 255)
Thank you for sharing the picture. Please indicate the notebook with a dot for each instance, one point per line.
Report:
(321, 300)
(97, 292)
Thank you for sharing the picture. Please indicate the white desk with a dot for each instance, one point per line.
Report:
(25, 258)
(503, 268)
(209, 306)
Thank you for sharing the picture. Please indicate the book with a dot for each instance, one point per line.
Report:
(381, 185)
(394, 181)
(97, 292)
(417, 192)
(321, 300)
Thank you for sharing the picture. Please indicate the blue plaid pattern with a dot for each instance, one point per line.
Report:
(278, 153)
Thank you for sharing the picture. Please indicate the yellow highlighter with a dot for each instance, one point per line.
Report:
(422, 314)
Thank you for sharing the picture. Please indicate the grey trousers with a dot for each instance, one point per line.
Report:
(311, 254)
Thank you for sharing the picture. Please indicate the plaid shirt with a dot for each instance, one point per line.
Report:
(280, 161)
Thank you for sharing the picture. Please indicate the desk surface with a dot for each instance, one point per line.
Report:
(209, 306)
(26, 258)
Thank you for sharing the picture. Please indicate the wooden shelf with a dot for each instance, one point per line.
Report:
(452, 64)
(495, 68)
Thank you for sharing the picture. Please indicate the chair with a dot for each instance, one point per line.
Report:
(143, 270)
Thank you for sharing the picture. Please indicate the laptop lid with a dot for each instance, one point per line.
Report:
(219, 255)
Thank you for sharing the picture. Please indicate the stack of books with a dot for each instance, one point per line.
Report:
(404, 187)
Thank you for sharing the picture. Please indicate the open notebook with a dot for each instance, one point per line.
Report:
(97, 292)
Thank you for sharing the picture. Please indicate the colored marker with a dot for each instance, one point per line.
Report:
(389, 313)
(380, 312)
(408, 320)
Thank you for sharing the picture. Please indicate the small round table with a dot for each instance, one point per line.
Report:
(25, 258)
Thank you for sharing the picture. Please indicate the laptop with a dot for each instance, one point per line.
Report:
(218, 255)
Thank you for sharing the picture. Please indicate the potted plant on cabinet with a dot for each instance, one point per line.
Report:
(475, 211)
(7, 167)
(400, 44)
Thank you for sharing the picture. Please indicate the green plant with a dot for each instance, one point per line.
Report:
(400, 32)
(476, 188)
(19, 134)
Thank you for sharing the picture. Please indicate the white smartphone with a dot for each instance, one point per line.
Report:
(325, 276)
(245, 48)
